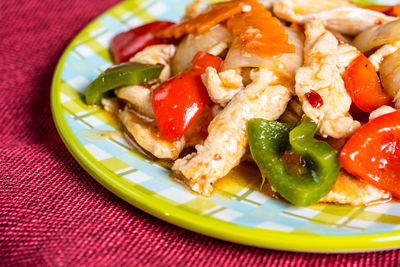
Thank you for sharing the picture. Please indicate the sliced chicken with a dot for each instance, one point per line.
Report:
(379, 55)
(221, 87)
(147, 136)
(110, 104)
(139, 97)
(157, 54)
(325, 62)
(227, 139)
(350, 190)
(339, 15)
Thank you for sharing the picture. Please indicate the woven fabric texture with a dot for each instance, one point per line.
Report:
(51, 211)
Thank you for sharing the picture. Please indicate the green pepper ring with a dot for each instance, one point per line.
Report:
(269, 139)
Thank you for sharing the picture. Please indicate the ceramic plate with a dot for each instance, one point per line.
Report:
(237, 212)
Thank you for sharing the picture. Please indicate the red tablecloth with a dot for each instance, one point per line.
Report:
(51, 211)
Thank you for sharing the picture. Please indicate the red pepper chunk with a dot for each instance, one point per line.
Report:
(373, 153)
(126, 44)
(180, 100)
(202, 60)
(363, 85)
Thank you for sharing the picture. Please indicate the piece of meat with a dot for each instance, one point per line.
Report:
(222, 86)
(157, 54)
(227, 139)
(379, 55)
(350, 190)
(339, 15)
(325, 62)
(147, 136)
(110, 104)
(139, 97)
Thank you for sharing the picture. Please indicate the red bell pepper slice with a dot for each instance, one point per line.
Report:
(178, 102)
(202, 60)
(363, 85)
(373, 153)
(126, 44)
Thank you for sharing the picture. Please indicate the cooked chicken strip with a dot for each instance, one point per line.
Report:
(147, 136)
(227, 139)
(380, 54)
(339, 15)
(140, 98)
(157, 54)
(325, 61)
(350, 190)
(221, 87)
(110, 104)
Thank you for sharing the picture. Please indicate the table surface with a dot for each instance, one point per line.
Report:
(51, 211)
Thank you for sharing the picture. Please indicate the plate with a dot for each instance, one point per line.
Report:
(237, 211)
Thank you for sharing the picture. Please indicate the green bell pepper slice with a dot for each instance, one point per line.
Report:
(268, 140)
(129, 73)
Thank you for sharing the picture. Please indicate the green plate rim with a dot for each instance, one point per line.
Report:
(200, 223)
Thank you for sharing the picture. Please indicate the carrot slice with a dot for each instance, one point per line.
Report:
(256, 29)
(393, 11)
(260, 32)
(218, 13)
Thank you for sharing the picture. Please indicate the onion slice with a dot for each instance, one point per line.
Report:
(377, 36)
(390, 74)
(284, 65)
(194, 43)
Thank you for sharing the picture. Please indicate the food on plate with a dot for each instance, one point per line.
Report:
(120, 75)
(302, 182)
(286, 84)
(338, 15)
(227, 136)
(325, 60)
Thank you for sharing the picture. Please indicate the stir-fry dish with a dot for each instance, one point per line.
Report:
(306, 89)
